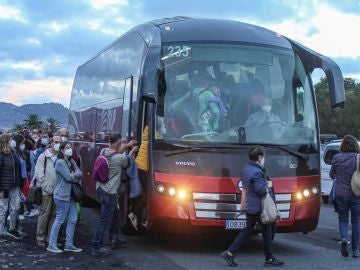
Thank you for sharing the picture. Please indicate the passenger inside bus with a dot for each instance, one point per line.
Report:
(263, 116)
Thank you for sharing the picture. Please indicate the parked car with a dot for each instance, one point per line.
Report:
(330, 150)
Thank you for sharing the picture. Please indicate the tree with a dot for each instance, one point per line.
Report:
(52, 124)
(17, 128)
(33, 121)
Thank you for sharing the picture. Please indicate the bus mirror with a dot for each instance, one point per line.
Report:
(149, 97)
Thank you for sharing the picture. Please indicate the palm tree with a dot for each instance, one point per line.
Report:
(33, 121)
(52, 124)
(17, 128)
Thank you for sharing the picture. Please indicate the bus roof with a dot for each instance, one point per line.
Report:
(217, 30)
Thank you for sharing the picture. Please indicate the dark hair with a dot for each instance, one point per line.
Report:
(349, 144)
(18, 138)
(114, 138)
(255, 152)
(29, 145)
(60, 154)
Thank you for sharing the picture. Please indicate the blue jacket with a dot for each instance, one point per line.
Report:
(133, 176)
(64, 178)
(254, 180)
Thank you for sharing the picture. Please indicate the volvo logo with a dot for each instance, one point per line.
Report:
(185, 163)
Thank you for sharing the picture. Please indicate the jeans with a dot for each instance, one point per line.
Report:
(64, 209)
(13, 204)
(109, 218)
(345, 204)
(267, 235)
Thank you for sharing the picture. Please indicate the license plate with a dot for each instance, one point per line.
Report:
(235, 224)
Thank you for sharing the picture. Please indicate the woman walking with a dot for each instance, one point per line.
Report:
(67, 172)
(10, 183)
(343, 167)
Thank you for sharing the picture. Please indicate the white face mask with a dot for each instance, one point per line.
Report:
(12, 144)
(262, 162)
(57, 147)
(64, 139)
(68, 152)
(22, 147)
(266, 108)
(44, 141)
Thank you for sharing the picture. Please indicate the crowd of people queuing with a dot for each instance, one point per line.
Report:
(41, 158)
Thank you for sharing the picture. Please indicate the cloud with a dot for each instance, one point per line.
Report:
(11, 13)
(37, 91)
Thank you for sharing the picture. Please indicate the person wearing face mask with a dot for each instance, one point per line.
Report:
(10, 183)
(67, 172)
(45, 178)
(264, 116)
(257, 184)
(45, 138)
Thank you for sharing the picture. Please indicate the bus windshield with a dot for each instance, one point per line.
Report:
(226, 93)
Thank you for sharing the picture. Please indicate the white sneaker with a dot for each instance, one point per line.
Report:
(26, 213)
(34, 212)
(21, 217)
(133, 220)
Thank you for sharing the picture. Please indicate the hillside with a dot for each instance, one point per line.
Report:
(11, 114)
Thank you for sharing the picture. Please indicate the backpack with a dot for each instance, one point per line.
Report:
(269, 213)
(355, 179)
(100, 172)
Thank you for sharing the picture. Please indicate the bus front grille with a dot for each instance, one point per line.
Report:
(227, 205)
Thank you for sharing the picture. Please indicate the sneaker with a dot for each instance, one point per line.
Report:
(21, 217)
(73, 249)
(133, 220)
(229, 258)
(101, 252)
(14, 234)
(118, 243)
(41, 244)
(26, 213)
(34, 213)
(273, 262)
(54, 249)
(356, 254)
(344, 250)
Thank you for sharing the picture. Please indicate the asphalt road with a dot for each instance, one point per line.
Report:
(316, 250)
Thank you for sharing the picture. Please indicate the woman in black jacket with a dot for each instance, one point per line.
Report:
(10, 182)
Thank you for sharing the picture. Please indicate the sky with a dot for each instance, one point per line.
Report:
(43, 42)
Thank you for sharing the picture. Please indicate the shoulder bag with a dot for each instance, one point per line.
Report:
(355, 179)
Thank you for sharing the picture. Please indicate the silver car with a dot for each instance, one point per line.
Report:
(329, 152)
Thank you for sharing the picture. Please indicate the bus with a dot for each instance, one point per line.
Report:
(199, 93)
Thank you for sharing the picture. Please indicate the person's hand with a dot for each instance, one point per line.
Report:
(132, 143)
(269, 184)
(134, 150)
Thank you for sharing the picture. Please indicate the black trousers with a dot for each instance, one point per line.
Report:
(267, 235)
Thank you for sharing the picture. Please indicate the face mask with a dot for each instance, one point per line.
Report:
(64, 139)
(68, 152)
(262, 162)
(44, 141)
(57, 147)
(266, 108)
(12, 144)
(22, 147)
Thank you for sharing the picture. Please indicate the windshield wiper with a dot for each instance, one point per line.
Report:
(285, 148)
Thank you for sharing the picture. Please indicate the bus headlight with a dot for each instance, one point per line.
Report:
(306, 193)
(182, 194)
(160, 188)
(172, 191)
(315, 190)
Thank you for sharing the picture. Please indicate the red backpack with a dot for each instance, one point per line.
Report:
(101, 168)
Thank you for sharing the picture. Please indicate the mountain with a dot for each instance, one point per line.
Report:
(11, 114)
